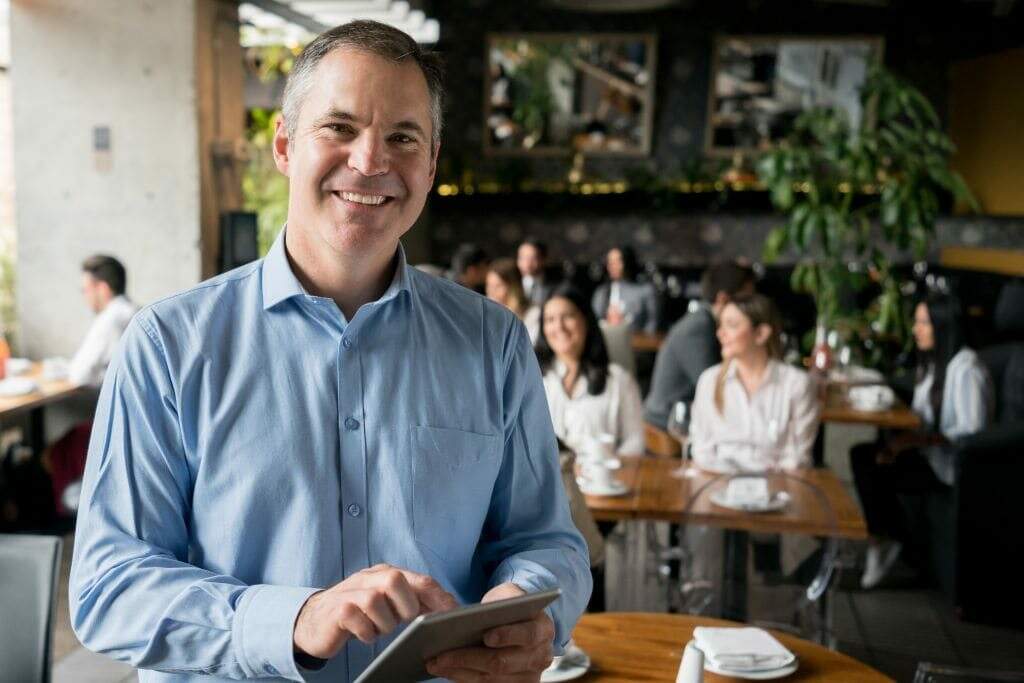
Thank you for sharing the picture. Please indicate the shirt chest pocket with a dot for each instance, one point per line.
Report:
(453, 477)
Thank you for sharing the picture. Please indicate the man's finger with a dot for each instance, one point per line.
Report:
(521, 634)
(395, 584)
(431, 595)
(352, 620)
(377, 607)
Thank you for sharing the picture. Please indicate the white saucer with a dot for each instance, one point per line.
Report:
(17, 386)
(779, 500)
(589, 488)
(561, 671)
(871, 407)
(754, 675)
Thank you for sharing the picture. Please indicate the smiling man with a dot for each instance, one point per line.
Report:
(294, 458)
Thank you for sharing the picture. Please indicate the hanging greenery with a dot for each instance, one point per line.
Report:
(856, 198)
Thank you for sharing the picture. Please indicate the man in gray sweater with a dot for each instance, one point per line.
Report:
(691, 346)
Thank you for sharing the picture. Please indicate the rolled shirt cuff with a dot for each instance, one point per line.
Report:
(535, 583)
(263, 630)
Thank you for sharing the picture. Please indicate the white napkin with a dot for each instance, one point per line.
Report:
(742, 649)
(17, 386)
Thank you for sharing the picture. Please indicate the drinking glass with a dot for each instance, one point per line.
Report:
(679, 427)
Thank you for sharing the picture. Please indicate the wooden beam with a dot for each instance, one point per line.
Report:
(1005, 261)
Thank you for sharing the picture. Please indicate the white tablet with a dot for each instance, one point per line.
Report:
(431, 634)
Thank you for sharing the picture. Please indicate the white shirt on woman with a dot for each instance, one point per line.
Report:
(968, 404)
(580, 418)
(774, 427)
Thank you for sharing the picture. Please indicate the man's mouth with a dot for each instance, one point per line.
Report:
(364, 199)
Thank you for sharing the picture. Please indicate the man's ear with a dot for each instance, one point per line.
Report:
(280, 146)
(433, 162)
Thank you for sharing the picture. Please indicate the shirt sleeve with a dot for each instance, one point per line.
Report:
(702, 420)
(89, 362)
(529, 537)
(630, 414)
(802, 429)
(970, 395)
(133, 593)
(653, 318)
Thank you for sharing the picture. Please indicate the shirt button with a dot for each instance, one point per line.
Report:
(351, 424)
(354, 510)
(347, 343)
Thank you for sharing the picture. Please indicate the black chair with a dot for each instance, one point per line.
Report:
(973, 528)
(28, 566)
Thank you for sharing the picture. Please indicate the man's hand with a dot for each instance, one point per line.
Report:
(514, 652)
(365, 605)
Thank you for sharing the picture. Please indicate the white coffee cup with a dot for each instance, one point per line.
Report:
(872, 397)
(747, 491)
(600, 476)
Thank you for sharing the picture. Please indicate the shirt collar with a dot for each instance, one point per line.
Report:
(280, 283)
(771, 371)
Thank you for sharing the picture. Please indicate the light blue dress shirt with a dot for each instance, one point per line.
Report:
(252, 446)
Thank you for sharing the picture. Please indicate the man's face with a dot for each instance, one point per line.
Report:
(361, 162)
(94, 292)
(528, 260)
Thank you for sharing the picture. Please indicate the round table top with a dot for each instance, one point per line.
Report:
(626, 646)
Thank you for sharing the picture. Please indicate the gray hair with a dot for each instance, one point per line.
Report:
(367, 36)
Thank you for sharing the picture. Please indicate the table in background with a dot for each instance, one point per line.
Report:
(837, 409)
(657, 495)
(49, 391)
(647, 341)
(628, 647)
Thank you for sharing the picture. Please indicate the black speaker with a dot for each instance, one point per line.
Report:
(238, 239)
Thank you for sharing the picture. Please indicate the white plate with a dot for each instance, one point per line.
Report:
(870, 407)
(754, 675)
(17, 386)
(616, 488)
(564, 671)
(779, 500)
(18, 366)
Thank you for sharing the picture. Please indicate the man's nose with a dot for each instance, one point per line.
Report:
(368, 155)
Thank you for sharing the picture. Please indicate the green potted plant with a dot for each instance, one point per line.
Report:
(854, 199)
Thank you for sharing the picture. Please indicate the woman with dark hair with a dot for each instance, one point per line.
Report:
(622, 300)
(954, 398)
(588, 396)
(751, 411)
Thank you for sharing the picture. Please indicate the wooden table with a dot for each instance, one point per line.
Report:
(628, 647)
(657, 495)
(49, 391)
(647, 341)
(837, 409)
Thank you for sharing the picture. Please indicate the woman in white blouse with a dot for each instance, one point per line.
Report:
(752, 412)
(952, 384)
(587, 395)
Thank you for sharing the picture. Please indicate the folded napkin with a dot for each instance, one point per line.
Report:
(742, 649)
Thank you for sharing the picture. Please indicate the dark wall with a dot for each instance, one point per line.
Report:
(921, 41)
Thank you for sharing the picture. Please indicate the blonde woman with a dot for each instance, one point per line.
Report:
(752, 412)
(504, 285)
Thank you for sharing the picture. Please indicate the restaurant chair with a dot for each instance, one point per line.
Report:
(942, 673)
(969, 531)
(29, 566)
(659, 442)
(716, 580)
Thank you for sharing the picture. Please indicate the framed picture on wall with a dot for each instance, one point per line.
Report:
(760, 84)
(553, 94)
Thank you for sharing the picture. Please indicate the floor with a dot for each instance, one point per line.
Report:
(890, 629)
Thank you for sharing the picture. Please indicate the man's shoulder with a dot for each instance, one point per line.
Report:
(694, 323)
(205, 297)
(457, 302)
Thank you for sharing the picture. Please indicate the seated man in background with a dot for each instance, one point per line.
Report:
(691, 346)
(103, 287)
(531, 259)
(469, 267)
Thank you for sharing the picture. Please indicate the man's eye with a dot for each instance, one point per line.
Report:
(402, 139)
(339, 128)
